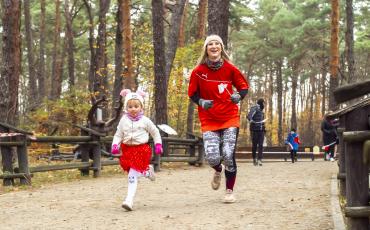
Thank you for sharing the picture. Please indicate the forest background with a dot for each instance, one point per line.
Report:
(60, 56)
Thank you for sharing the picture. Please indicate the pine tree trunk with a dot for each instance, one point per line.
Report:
(91, 45)
(334, 52)
(218, 19)
(279, 89)
(11, 61)
(350, 42)
(202, 13)
(56, 81)
(100, 73)
(41, 68)
(293, 119)
(129, 75)
(118, 56)
(70, 44)
(181, 42)
(160, 82)
(173, 36)
(32, 84)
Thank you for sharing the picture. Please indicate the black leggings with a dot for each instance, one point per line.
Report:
(257, 143)
(293, 155)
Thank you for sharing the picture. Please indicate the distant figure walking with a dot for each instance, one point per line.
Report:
(329, 136)
(131, 139)
(293, 143)
(211, 87)
(256, 117)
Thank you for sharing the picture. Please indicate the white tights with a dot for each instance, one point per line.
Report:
(133, 177)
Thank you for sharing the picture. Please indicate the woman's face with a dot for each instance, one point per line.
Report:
(214, 50)
(134, 107)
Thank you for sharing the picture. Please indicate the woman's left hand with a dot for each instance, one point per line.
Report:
(235, 98)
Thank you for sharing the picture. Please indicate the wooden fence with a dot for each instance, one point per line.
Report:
(90, 147)
(354, 153)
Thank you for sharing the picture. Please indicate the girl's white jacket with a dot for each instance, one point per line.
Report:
(136, 132)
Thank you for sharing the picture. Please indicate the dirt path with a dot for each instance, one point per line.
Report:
(278, 195)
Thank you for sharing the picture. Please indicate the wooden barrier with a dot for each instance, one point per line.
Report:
(354, 160)
(90, 147)
(277, 152)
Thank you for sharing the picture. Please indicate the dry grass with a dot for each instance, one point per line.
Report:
(41, 179)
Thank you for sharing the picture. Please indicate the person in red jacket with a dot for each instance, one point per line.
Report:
(211, 87)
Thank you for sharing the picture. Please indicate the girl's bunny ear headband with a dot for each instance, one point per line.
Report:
(128, 95)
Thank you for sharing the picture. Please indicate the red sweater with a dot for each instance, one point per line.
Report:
(217, 86)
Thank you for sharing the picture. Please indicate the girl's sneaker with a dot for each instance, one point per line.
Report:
(150, 173)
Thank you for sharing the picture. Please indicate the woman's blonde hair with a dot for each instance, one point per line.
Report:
(204, 54)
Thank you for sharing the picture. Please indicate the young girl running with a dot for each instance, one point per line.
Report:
(293, 142)
(131, 139)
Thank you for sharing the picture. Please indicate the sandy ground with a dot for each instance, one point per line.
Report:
(278, 195)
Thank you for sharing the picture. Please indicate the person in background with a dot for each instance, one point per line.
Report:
(211, 88)
(293, 143)
(131, 139)
(256, 117)
(329, 136)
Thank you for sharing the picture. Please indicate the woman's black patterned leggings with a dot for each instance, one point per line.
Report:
(220, 145)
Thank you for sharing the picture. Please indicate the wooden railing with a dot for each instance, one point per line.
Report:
(90, 147)
(354, 152)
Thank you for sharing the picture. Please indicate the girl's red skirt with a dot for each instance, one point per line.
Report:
(135, 156)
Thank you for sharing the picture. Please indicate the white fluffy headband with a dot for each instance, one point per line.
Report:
(128, 95)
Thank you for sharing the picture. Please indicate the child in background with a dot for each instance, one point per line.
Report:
(131, 139)
(293, 143)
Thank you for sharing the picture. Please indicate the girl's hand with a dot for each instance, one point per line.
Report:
(158, 149)
(115, 149)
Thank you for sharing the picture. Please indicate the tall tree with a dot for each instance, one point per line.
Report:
(161, 79)
(173, 35)
(70, 43)
(160, 83)
(11, 61)
(218, 19)
(32, 84)
(334, 52)
(349, 41)
(129, 75)
(41, 66)
(181, 42)
(100, 73)
(87, 4)
(56, 72)
(202, 16)
(118, 55)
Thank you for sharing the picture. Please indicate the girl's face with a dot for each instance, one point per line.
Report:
(134, 107)
(214, 49)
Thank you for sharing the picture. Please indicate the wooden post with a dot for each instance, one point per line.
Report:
(7, 155)
(191, 148)
(200, 160)
(96, 156)
(357, 173)
(342, 156)
(85, 157)
(23, 161)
